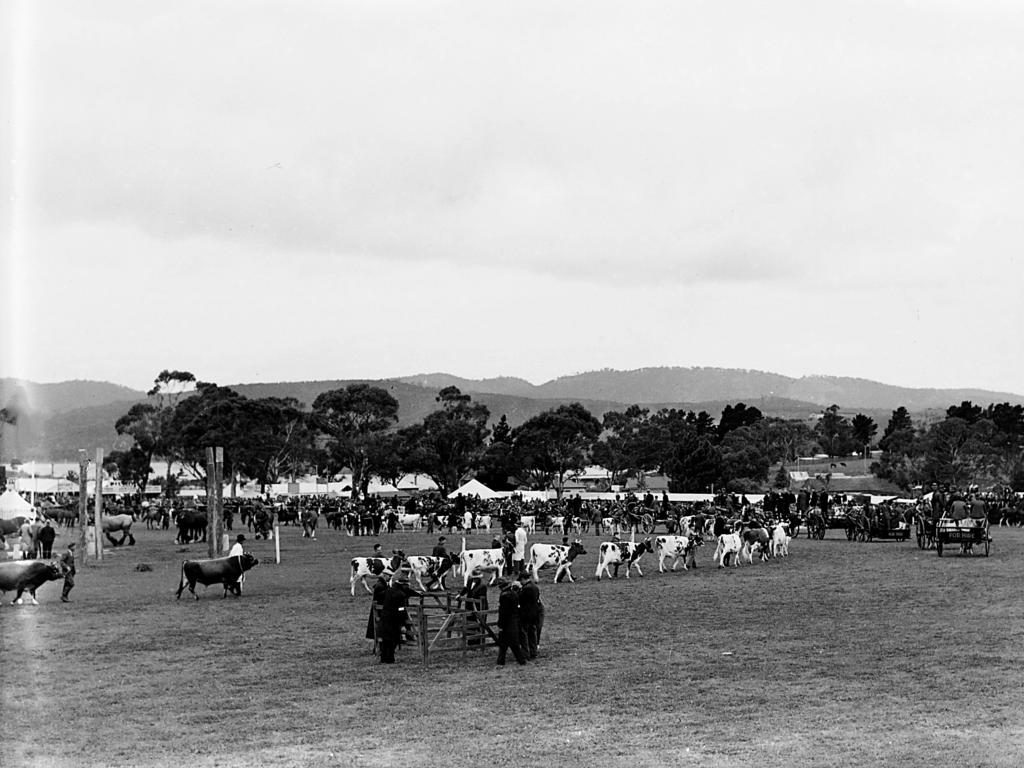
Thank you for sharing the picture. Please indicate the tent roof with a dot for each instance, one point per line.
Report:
(474, 488)
(12, 505)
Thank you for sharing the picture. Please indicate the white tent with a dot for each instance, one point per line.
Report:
(474, 488)
(12, 505)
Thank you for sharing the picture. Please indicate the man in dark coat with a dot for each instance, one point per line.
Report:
(378, 599)
(529, 616)
(474, 596)
(508, 623)
(394, 617)
(67, 561)
(45, 539)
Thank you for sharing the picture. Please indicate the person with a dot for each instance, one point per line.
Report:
(28, 541)
(379, 588)
(440, 551)
(394, 617)
(46, 537)
(529, 615)
(67, 561)
(377, 552)
(474, 596)
(237, 551)
(508, 623)
(519, 552)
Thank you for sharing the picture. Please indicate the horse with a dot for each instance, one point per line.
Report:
(308, 518)
(12, 526)
(115, 523)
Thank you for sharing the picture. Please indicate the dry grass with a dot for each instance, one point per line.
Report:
(846, 654)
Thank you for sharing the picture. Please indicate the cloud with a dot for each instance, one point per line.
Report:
(709, 143)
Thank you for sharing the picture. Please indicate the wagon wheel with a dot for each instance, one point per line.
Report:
(647, 524)
(850, 533)
(938, 547)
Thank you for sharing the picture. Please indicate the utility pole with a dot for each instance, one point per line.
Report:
(83, 504)
(214, 499)
(98, 538)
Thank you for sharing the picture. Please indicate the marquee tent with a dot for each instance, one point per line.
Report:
(474, 488)
(12, 505)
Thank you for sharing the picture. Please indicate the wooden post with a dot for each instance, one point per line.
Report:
(211, 503)
(218, 518)
(83, 504)
(277, 543)
(99, 504)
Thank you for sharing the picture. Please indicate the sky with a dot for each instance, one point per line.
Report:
(282, 191)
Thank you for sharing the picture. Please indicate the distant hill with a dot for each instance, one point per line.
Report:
(57, 419)
(700, 385)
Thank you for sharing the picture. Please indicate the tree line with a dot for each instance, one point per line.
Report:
(355, 428)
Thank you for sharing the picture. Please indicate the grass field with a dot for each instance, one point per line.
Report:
(845, 654)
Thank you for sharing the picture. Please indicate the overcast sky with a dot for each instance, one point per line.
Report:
(263, 191)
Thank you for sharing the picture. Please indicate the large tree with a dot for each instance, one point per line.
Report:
(277, 438)
(354, 419)
(835, 434)
(864, 430)
(451, 441)
(554, 442)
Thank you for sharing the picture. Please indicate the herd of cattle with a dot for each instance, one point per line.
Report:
(741, 543)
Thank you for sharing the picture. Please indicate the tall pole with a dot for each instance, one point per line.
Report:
(98, 538)
(83, 504)
(218, 519)
(211, 503)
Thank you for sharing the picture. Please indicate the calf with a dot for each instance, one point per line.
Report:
(27, 575)
(221, 570)
(365, 567)
(529, 522)
(676, 547)
(624, 553)
(483, 522)
(413, 521)
(728, 544)
(755, 538)
(780, 541)
(485, 559)
(557, 555)
(436, 568)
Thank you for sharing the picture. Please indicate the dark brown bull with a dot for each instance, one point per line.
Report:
(221, 570)
(22, 575)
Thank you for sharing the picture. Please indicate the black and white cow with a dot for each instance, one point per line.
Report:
(676, 547)
(20, 576)
(365, 567)
(492, 560)
(558, 556)
(755, 539)
(624, 553)
(431, 567)
(728, 544)
(220, 570)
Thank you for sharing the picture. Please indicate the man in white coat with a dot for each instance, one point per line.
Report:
(519, 555)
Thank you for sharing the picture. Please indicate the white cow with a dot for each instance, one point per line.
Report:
(483, 522)
(626, 553)
(780, 541)
(365, 567)
(675, 547)
(429, 565)
(728, 544)
(557, 555)
(485, 559)
(529, 522)
(413, 521)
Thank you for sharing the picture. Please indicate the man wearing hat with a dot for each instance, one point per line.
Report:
(394, 617)
(508, 623)
(67, 561)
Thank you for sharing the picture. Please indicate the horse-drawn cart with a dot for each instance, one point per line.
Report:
(967, 533)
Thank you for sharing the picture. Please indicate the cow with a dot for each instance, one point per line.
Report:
(728, 544)
(529, 522)
(414, 522)
(755, 538)
(485, 559)
(624, 553)
(676, 547)
(423, 565)
(365, 567)
(191, 526)
(221, 570)
(780, 541)
(557, 555)
(483, 522)
(12, 526)
(22, 575)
